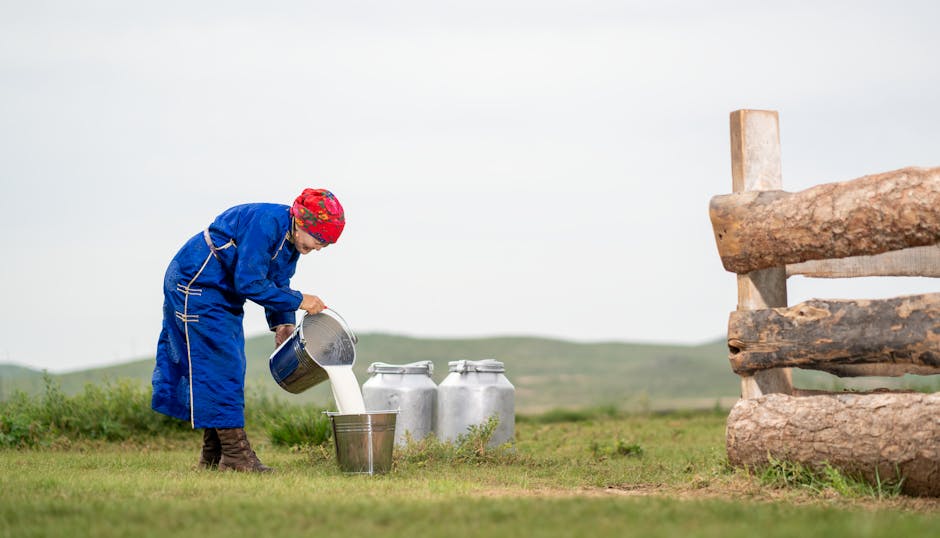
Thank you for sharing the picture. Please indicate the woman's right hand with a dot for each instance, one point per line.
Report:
(312, 304)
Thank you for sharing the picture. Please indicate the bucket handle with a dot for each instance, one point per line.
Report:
(346, 326)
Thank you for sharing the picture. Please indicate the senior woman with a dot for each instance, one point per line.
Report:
(249, 252)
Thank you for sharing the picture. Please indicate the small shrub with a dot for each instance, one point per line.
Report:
(473, 445)
(19, 430)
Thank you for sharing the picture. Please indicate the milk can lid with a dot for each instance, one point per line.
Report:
(485, 365)
(420, 367)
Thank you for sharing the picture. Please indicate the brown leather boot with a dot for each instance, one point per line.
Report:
(237, 454)
(211, 449)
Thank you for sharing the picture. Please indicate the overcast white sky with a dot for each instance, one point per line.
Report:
(508, 167)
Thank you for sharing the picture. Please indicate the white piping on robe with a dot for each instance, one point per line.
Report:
(187, 318)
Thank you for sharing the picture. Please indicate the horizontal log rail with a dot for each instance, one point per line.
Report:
(877, 370)
(825, 334)
(880, 436)
(865, 216)
(914, 261)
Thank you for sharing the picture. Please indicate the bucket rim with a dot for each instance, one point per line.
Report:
(342, 323)
(338, 414)
(300, 335)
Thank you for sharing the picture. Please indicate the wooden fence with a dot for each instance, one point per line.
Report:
(880, 225)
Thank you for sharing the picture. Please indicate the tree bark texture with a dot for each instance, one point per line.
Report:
(865, 216)
(825, 334)
(897, 434)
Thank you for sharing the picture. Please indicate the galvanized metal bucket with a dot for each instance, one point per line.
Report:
(319, 340)
(364, 442)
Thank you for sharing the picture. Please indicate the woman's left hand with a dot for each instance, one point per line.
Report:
(282, 333)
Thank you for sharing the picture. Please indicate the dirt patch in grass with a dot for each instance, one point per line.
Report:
(625, 490)
(737, 492)
(753, 492)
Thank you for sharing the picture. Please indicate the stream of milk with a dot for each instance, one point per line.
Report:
(346, 389)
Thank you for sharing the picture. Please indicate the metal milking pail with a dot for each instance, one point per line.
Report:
(319, 340)
(364, 442)
(407, 388)
(471, 393)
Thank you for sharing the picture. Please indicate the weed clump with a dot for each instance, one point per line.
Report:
(783, 474)
(474, 447)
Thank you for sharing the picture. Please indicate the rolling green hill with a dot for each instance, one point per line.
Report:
(546, 373)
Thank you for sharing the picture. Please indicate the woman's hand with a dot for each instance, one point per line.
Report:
(282, 333)
(312, 304)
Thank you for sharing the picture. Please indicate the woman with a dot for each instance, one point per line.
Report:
(248, 253)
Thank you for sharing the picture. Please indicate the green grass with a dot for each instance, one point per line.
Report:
(784, 474)
(301, 427)
(121, 411)
(113, 412)
(553, 482)
(99, 463)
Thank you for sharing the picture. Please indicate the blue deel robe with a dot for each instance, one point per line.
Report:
(200, 367)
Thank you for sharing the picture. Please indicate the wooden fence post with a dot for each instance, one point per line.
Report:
(755, 166)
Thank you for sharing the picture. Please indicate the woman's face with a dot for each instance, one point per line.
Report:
(305, 243)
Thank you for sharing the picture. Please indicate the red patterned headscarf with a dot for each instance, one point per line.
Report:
(320, 214)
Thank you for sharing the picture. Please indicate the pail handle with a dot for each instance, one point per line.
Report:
(346, 326)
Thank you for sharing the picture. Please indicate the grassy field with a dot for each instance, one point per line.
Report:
(94, 460)
(592, 475)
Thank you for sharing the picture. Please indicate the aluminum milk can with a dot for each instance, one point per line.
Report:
(407, 388)
(472, 393)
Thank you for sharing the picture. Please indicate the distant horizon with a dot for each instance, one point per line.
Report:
(139, 358)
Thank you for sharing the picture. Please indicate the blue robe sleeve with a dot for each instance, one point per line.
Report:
(279, 318)
(259, 240)
(276, 317)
